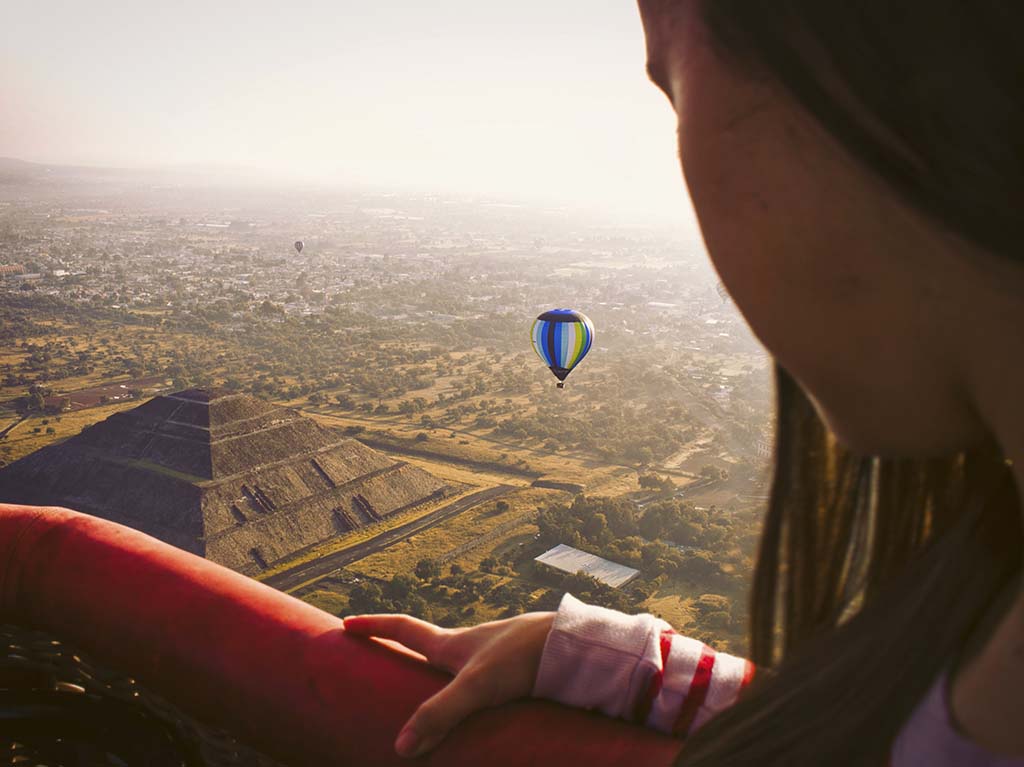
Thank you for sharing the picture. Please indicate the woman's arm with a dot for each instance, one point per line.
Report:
(628, 666)
(636, 667)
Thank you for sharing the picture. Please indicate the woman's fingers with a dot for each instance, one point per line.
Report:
(421, 636)
(436, 716)
(493, 663)
(434, 719)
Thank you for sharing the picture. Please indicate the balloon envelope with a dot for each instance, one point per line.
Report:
(562, 338)
(299, 246)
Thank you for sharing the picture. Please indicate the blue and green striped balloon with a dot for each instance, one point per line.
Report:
(562, 338)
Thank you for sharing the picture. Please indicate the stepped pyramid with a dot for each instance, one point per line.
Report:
(226, 476)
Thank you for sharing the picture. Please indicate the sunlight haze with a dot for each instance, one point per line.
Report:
(532, 99)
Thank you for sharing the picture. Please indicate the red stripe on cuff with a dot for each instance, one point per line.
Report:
(748, 675)
(643, 706)
(697, 693)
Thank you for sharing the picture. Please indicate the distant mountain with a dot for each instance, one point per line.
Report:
(226, 476)
(12, 165)
(15, 171)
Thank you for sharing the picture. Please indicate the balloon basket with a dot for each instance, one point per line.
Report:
(560, 385)
(38, 666)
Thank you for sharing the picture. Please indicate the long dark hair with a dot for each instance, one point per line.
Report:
(873, 572)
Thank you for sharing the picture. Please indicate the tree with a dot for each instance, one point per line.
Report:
(36, 401)
(655, 482)
(641, 590)
(269, 309)
(417, 607)
(400, 588)
(698, 565)
(648, 481)
(708, 471)
(365, 597)
(644, 456)
(427, 569)
(595, 526)
(589, 589)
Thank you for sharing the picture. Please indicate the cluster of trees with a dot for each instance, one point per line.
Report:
(399, 595)
(498, 584)
(447, 596)
(714, 612)
(366, 359)
(451, 599)
(676, 522)
(35, 398)
(369, 360)
(667, 538)
(361, 355)
(103, 349)
(656, 482)
(363, 362)
(617, 431)
(24, 315)
(711, 472)
(667, 541)
(590, 590)
(48, 360)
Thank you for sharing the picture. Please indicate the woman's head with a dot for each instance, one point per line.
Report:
(857, 169)
(851, 204)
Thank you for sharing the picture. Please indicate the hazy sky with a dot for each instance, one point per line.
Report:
(526, 98)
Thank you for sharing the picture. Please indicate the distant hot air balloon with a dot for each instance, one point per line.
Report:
(562, 338)
(299, 246)
(722, 292)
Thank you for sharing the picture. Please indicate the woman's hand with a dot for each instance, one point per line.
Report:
(493, 663)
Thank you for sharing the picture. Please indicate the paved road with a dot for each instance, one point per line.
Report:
(318, 568)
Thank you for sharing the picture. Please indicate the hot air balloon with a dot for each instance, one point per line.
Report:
(299, 245)
(562, 338)
(722, 292)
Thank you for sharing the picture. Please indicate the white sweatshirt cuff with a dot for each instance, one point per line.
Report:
(599, 658)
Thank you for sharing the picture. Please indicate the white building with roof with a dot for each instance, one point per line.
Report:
(566, 559)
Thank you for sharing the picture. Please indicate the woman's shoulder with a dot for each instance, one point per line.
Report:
(930, 737)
